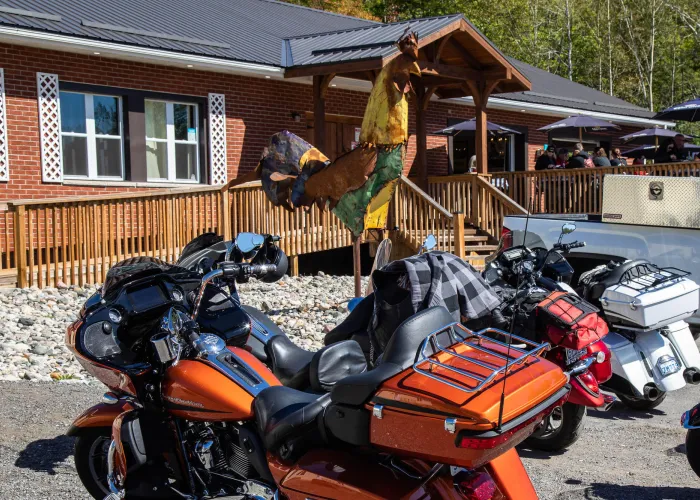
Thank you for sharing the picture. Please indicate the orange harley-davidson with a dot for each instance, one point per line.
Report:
(190, 415)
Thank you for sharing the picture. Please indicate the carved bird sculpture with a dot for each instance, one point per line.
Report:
(358, 185)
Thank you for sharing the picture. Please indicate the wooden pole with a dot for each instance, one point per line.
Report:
(321, 83)
(356, 264)
(481, 140)
(21, 247)
(458, 221)
(421, 138)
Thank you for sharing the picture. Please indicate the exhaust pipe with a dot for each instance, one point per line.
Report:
(651, 392)
(692, 376)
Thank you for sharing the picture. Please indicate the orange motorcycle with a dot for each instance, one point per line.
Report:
(192, 413)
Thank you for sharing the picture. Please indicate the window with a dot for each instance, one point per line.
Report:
(91, 136)
(172, 141)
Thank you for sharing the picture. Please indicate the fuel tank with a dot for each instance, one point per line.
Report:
(218, 387)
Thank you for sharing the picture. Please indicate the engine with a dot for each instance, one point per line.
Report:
(217, 455)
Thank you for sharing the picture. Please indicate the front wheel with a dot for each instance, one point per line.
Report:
(559, 430)
(91, 460)
(642, 404)
(692, 449)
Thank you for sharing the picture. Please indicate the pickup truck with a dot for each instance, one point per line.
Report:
(652, 218)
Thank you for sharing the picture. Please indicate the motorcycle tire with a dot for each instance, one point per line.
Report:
(692, 449)
(568, 432)
(641, 404)
(88, 446)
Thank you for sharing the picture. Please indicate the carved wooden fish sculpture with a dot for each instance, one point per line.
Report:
(358, 185)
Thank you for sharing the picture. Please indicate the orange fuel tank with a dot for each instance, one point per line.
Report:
(201, 390)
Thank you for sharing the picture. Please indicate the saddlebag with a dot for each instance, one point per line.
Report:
(569, 321)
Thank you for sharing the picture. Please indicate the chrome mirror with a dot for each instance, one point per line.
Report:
(247, 243)
(167, 343)
(429, 244)
(568, 228)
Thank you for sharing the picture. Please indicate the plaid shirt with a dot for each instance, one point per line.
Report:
(443, 279)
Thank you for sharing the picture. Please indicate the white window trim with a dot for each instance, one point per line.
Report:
(92, 136)
(170, 142)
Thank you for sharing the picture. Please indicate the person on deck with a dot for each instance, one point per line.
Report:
(616, 160)
(680, 151)
(562, 158)
(601, 159)
(667, 153)
(578, 159)
(546, 160)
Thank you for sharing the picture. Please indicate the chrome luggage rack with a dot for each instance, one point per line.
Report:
(458, 334)
(643, 277)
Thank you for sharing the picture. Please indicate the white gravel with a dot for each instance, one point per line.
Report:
(33, 322)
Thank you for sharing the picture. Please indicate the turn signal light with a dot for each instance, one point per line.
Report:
(476, 486)
(506, 238)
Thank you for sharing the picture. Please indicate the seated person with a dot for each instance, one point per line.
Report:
(562, 158)
(546, 160)
(601, 159)
(578, 159)
(667, 153)
(616, 159)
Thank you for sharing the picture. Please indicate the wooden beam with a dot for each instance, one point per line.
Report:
(460, 73)
(335, 68)
(481, 142)
(421, 137)
(426, 98)
(319, 112)
(441, 46)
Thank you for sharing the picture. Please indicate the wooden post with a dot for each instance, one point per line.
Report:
(421, 139)
(458, 221)
(225, 215)
(21, 247)
(481, 142)
(294, 265)
(474, 209)
(321, 83)
(356, 264)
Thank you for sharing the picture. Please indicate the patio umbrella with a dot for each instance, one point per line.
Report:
(649, 151)
(469, 126)
(688, 111)
(581, 123)
(644, 136)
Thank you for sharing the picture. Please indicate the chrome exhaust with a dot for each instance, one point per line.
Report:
(651, 392)
(692, 376)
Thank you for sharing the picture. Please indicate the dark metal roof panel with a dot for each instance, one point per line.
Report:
(553, 90)
(321, 48)
(254, 29)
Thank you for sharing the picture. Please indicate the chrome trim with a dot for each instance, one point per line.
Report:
(206, 279)
(254, 390)
(473, 340)
(116, 492)
(259, 331)
(580, 366)
(110, 398)
(377, 411)
(451, 425)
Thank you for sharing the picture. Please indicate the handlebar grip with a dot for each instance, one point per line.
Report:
(230, 269)
(261, 269)
(577, 244)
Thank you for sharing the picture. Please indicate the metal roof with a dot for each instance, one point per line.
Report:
(554, 90)
(366, 42)
(273, 33)
(242, 30)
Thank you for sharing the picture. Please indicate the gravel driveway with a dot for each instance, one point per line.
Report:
(622, 455)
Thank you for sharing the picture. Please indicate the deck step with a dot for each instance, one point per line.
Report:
(474, 239)
(480, 248)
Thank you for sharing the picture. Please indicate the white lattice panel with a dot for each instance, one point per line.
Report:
(4, 157)
(49, 126)
(217, 138)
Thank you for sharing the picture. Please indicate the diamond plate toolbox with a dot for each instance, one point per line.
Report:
(651, 200)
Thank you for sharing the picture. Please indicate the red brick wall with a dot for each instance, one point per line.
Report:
(255, 108)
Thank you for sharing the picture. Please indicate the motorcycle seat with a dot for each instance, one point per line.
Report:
(289, 362)
(400, 353)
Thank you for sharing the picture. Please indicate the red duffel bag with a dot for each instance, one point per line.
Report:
(570, 321)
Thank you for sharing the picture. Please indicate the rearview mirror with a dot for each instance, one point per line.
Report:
(429, 243)
(247, 243)
(568, 228)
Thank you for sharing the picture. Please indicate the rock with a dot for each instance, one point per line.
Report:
(40, 349)
(26, 321)
(320, 274)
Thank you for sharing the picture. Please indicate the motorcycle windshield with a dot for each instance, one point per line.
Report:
(130, 270)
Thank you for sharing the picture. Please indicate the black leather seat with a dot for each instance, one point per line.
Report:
(355, 323)
(400, 353)
(612, 278)
(288, 362)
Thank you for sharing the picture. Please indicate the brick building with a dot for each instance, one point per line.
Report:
(125, 95)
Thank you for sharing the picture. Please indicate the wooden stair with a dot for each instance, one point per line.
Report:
(477, 246)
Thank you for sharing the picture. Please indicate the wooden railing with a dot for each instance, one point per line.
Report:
(483, 205)
(416, 215)
(575, 190)
(76, 240)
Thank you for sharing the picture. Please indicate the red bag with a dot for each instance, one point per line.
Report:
(570, 321)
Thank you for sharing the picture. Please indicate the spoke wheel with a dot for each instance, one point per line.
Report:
(91, 461)
(559, 430)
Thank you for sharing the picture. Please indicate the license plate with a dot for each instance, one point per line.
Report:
(573, 355)
(669, 367)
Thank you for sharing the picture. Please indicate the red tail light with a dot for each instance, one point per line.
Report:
(602, 368)
(589, 382)
(475, 485)
(506, 238)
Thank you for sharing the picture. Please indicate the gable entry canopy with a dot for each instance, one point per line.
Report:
(455, 58)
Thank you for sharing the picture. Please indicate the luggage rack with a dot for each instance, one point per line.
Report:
(431, 346)
(647, 275)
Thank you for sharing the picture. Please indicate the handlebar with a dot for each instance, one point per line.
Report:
(567, 247)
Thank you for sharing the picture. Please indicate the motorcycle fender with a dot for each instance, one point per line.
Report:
(682, 340)
(653, 346)
(627, 362)
(101, 415)
(580, 395)
(693, 418)
(116, 459)
(509, 474)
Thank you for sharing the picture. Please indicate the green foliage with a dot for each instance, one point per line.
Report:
(643, 51)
